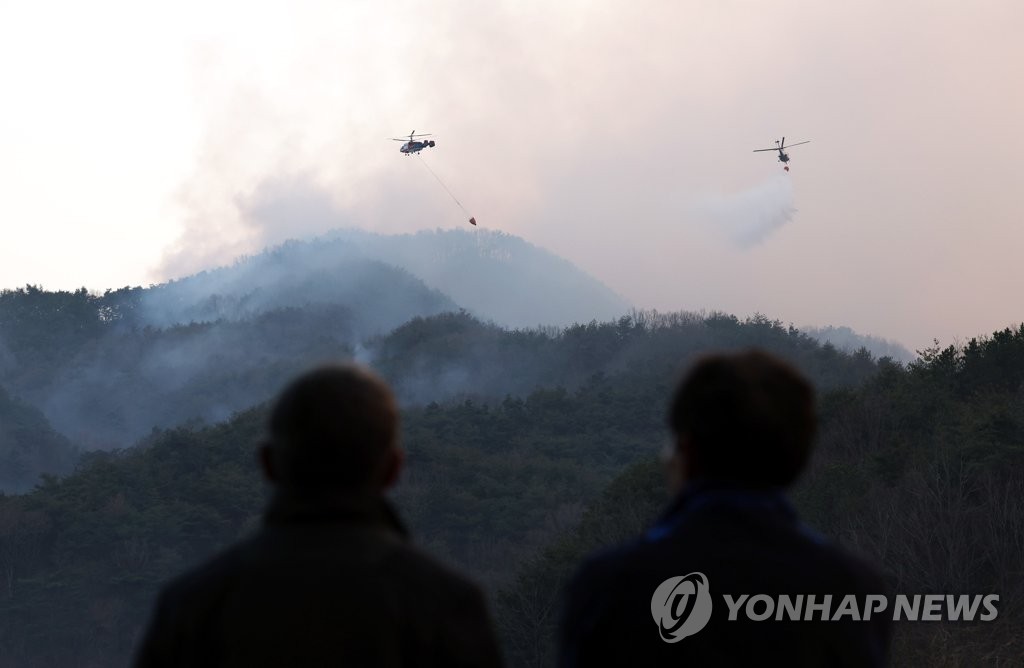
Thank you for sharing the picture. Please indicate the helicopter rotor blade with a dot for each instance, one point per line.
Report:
(800, 142)
(410, 137)
(758, 150)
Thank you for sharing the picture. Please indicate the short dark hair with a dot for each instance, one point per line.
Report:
(333, 427)
(749, 418)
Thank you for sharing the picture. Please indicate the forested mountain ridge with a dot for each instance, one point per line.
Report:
(455, 354)
(496, 276)
(107, 368)
(43, 333)
(490, 481)
(116, 383)
(295, 274)
(104, 380)
(848, 340)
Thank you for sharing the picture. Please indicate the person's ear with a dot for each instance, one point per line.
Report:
(268, 465)
(393, 467)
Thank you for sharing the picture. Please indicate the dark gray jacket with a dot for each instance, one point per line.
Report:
(321, 584)
(743, 542)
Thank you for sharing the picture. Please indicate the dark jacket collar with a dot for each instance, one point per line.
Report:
(706, 494)
(288, 507)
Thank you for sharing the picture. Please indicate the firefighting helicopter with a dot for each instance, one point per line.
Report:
(411, 145)
(780, 146)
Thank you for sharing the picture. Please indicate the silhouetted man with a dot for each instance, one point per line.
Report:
(330, 579)
(743, 427)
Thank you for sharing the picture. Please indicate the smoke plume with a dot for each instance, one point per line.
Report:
(750, 216)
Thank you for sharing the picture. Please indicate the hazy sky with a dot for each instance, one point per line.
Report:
(135, 143)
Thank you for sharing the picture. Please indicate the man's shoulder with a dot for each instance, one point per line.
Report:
(400, 561)
(799, 558)
(207, 578)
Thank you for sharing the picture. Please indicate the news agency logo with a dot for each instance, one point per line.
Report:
(681, 606)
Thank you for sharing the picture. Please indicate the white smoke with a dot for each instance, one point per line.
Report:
(750, 216)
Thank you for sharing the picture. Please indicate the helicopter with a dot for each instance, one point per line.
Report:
(780, 146)
(413, 146)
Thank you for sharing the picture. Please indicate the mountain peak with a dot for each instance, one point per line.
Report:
(495, 275)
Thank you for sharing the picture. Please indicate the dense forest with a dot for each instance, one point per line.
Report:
(29, 445)
(104, 380)
(127, 440)
(919, 469)
(490, 481)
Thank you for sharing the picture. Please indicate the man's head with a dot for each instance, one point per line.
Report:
(334, 429)
(747, 418)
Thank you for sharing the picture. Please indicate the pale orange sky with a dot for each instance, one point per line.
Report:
(617, 135)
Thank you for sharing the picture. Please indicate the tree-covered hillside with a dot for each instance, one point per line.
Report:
(848, 340)
(107, 368)
(490, 481)
(53, 342)
(29, 446)
(921, 470)
(104, 380)
(105, 383)
(454, 354)
(379, 295)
